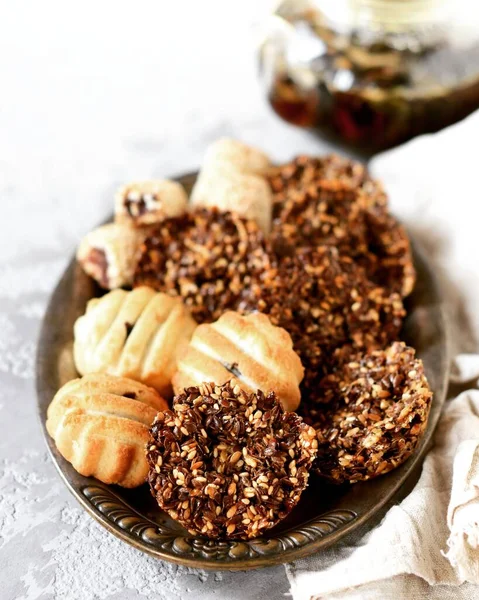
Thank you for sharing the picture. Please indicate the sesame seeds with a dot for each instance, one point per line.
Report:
(332, 200)
(327, 305)
(250, 476)
(361, 435)
(206, 256)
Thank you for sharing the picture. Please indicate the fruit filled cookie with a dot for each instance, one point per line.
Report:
(225, 463)
(110, 254)
(149, 202)
(232, 179)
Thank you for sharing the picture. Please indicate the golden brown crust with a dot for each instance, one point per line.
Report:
(333, 200)
(110, 254)
(137, 334)
(100, 425)
(249, 348)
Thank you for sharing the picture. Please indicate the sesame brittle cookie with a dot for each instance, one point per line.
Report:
(207, 257)
(225, 463)
(374, 413)
(324, 301)
(334, 201)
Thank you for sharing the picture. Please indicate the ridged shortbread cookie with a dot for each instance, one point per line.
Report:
(257, 354)
(100, 424)
(138, 334)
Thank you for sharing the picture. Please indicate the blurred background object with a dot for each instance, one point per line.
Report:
(372, 73)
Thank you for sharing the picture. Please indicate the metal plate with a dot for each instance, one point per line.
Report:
(325, 514)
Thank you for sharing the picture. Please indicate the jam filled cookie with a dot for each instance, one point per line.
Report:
(138, 334)
(257, 354)
(373, 414)
(110, 253)
(225, 463)
(150, 202)
(100, 425)
(207, 257)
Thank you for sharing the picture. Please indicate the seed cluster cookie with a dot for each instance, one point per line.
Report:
(332, 200)
(225, 463)
(206, 256)
(372, 416)
(326, 303)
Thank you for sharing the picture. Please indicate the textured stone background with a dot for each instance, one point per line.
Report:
(93, 94)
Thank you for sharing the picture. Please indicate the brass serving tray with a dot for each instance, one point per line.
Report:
(325, 514)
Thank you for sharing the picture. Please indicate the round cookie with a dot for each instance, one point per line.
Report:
(373, 414)
(333, 200)
(230, 154)
(232, 178)
(324, 301)
(100, 424)
(207, 257)
(229, 190)
(225, 463)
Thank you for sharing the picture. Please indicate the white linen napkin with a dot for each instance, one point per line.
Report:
(427, 546)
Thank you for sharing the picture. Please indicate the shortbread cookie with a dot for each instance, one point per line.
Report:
(231, 178)
(207, 257)
(100, 424)
(150, 202)
(373, 414)
(138, 334)
(110, 254)
(332, 200)
(225, 463)
(257, 354)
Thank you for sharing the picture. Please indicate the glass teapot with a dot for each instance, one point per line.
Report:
(373, 73)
